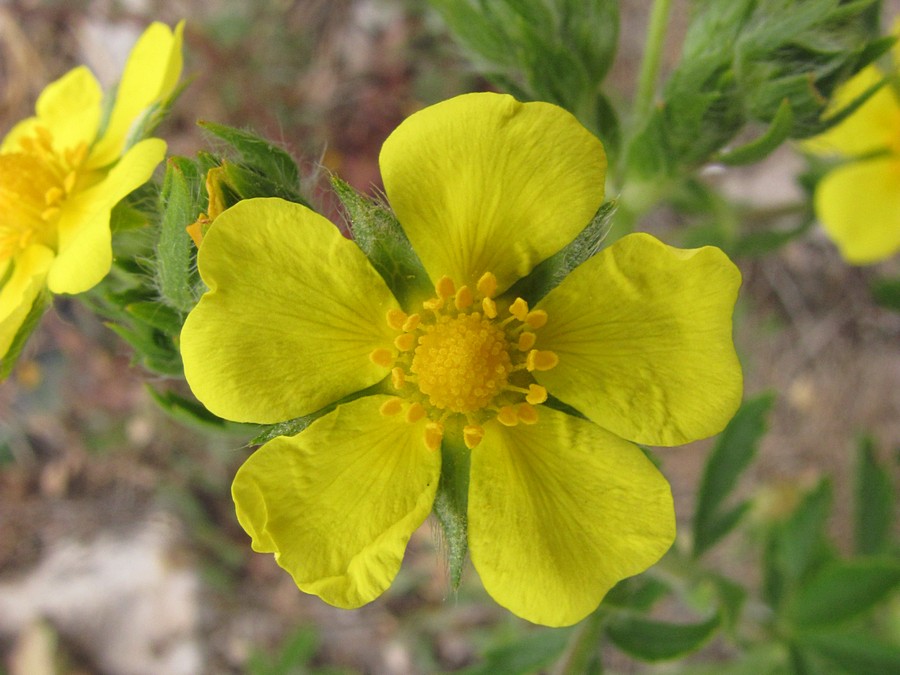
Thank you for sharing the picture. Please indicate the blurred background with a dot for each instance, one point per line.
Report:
(119, 549)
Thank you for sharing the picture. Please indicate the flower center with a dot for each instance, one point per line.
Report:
(462, 363)
(34, 181)
(459, 358)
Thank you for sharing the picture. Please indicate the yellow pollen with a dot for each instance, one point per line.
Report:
(541, 360)
(382, 357)
(462, 363)
(472, 435)
(415, 413)
(489, 307)
(536, 394)
(398, 377)
(519, 309)
(526, 341)
(445, 287)
(463, 298)
(527, 413)
(536, 318)
(434, 434)
(434, 304)
(396, 318)
(53, 196)
(412, 322)
(392, 406)
(405, 341)
(487, 285)
(507, 416)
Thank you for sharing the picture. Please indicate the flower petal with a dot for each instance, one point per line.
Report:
(482, 183)
(69, 108)
(85, 249)
(20, 290)
(643, 335)
(859, 207)
(871, 127)
(151, 73)
(293, 312)
(561, 511)
(338, 503)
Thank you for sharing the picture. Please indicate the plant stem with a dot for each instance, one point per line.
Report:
(583, 646)
(646, 86)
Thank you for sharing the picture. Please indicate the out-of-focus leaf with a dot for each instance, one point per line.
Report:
(527, 655)
(40, 305)
(856, 653)
(887, 293)
(190, 412)
(733, 452)
(759, 148)
(875, 499)
(155, 314)
(651, 640)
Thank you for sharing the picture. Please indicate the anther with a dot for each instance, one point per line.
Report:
(405, 342)
(382, 357)
(415, 413)
(541, 360)
(445, 287)
(519, 309)
(487, 285)
(507, 416)
(396, 318)
(527, 413)
(69, 181)
(412, 322)
(463, 298)
(398, 377)
(536, 394)
(536, 318)
(53, 195)
(391, 407)
(526, 341)
(433, 304)
(434, 434)
(50, 214)
(472, 435)
(489, 307)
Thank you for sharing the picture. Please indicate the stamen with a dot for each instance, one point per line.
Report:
(412, 322)
(396, 318)
(434, 434)
(445, 287)
(527, 413)
(50, 214)
(434, 304)
(69, 181)
(541, 360)
(391, 407)
(398, 377)
(53, 195)
(536, 318)
(507, 416)
(487, 285)
(415, 413)
(519, 309)
(526, 341)
(536, 394)
(489, 307)
(405, 342)
(382, 357)
(472, 435)
(463, 298)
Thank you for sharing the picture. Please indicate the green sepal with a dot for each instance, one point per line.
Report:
(176, 269)
(548, 274)
(652, 640)
(875, 502)
(378, 234)
(190, 412)
(259, 154)
(758, 149)
(733, 452)
(451, 505)
(248, 183)
(40, 305)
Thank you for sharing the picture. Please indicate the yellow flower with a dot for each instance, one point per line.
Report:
(858, 203)
(560, 507)
(62, 171)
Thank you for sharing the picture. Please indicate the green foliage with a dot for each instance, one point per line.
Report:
(176, 271)
(733, 452)
(549, 50)
(40, 305)
(875, 503)
(529, 654)
(887, 293)
(451, 507)
(855, 653)
(651, 640)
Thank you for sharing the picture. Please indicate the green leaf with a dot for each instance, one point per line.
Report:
(874, 502)
(40, 305)
(856, 653)
(530, 654)
(153, 350)
(760, 148)
(248, 183)
(379, 235)
(650, 640)
(886, 293)
(192, 413)
(175, 252)
(156, 315)
(258, 153)
(451, 507)
(733, 452)
(842, 590)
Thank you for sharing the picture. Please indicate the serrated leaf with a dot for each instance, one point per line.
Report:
(875, 500)
(733, 452)
(527, 655)
(175, 252)
(759, 148)
(258, 153)
(856, 653)
(842, 590)
(40, 305)
(651, 640)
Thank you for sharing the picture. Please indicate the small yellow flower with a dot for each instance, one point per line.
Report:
(61, 174)
(858, 203)
(560, 507)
